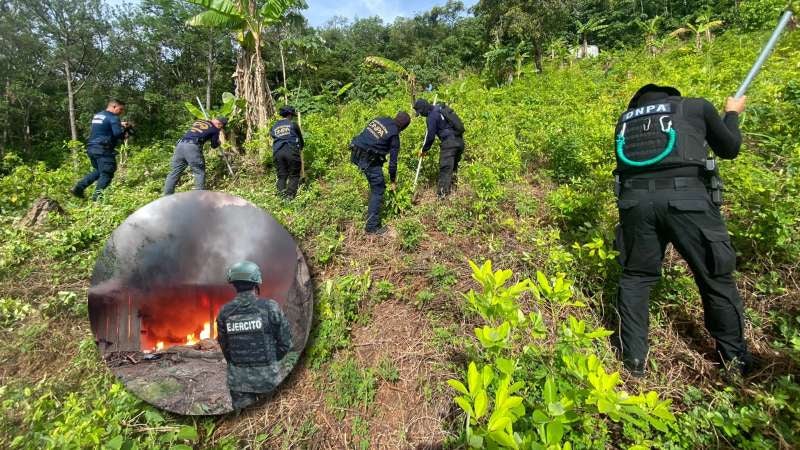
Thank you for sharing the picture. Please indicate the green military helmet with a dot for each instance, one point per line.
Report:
(244, 271)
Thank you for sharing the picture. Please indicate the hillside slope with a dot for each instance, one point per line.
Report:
(391, 325)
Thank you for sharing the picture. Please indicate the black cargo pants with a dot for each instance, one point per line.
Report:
(679, 211)
(287, 163)
(449, 157)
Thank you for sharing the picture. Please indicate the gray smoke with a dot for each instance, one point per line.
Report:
(190, 239)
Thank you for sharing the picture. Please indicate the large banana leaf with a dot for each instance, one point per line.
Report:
(388, 64)
(229, 101)
(273, 10)
(194, 110)
(215, 19)
(225, 7)
(344, 89)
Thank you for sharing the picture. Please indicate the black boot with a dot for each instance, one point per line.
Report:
(77, 192)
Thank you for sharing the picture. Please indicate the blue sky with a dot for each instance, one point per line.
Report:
(320, 11)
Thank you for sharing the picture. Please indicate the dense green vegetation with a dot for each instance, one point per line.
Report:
(523, 339)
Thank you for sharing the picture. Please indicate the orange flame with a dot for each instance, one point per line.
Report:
(159, 346)
(206, 333)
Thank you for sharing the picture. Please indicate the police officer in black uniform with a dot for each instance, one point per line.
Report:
(189, 152)
(254, 336)
(451, 143)
(381, 137)
(106, 133)
(668, 193)
(287, 146)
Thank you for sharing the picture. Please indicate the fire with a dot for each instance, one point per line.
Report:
(159, 345)
(206, 333)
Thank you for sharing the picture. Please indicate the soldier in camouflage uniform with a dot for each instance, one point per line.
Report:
(254, 336)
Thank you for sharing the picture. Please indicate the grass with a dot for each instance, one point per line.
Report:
(375, 363)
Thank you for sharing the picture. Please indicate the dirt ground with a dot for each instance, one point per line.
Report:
(182, 380)
(407, 413)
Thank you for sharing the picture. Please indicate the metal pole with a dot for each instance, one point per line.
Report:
(419, 163)
(221, 152)
(416, 177)
(762, 58)
(302, 161)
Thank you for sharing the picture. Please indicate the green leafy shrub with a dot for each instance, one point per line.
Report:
(577, 390)
(423, 297)
(65, 303)
(397, 201)
(12, 311)
(335, 310)
(411, 234)
(442, 275)
(327, 245)
(353, 386)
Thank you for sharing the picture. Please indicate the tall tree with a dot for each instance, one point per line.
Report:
(514, 21)
(248, 20)
(24, 69)
(76, 33)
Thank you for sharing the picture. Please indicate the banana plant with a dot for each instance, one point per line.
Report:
(593, 25)
(247, 20)
(406, 76)
(650, 29)
(230, 107)
(701, 28)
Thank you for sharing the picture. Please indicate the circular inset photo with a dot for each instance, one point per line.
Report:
(201, 303)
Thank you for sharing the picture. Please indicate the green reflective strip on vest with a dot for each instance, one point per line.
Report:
(672, 137)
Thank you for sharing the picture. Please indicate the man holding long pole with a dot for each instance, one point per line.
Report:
(669, 191)
(189, 152)
(442, 121)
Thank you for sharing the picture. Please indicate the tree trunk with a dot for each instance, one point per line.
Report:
(209, 70)
(585, 47)
(73, 128)
(7, 95)
(283, 69)
(27, 134)
(537, 55)
(252, 86)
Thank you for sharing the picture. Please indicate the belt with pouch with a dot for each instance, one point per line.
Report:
(662, 184)
(358, 153)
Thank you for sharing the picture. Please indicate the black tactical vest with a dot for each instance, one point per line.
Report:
(282, 134)
(377, 136)
(658, 136)
(249, 340)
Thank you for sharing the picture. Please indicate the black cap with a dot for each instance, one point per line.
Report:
(287, 111)
(402, 119)
(421, 107)
(223, 120)
(669, 90)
